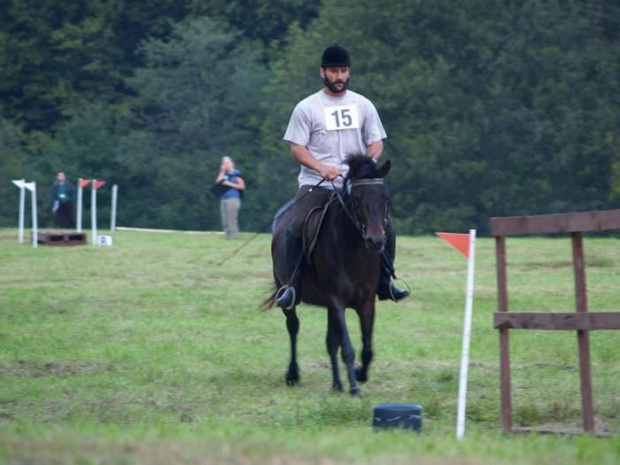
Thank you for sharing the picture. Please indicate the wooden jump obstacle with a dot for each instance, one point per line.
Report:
(581, 321)
(61, 238)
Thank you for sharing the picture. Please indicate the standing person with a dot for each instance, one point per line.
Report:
(324, 129)
(63, 193)
(230, 202)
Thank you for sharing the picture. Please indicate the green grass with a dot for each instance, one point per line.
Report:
(148, 352)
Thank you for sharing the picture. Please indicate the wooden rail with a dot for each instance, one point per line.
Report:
(581, 320)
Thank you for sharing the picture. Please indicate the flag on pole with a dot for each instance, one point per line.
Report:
(83, 183)
(30, 186)
(98, 184)
(19, 183)
(466, 245)
(459, 241)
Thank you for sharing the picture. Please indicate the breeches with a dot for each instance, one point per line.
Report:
(230, 214)
(306, 199)
(64, 215)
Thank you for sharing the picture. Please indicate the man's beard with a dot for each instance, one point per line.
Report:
(332, 85)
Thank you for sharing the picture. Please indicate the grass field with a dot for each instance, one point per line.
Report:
(149, 352)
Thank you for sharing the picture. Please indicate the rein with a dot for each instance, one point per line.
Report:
(238, 249)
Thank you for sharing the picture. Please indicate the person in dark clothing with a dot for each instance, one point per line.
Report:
(63, 194)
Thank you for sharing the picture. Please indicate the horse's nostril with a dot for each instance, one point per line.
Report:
(375, 243)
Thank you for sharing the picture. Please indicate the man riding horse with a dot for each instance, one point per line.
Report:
(324, 129)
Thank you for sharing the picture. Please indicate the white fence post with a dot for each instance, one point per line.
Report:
(22, 211)
(113, 212)
(80, 193)
(93, 211)
(35, 225)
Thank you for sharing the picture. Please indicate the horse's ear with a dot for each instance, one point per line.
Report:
(385, 168)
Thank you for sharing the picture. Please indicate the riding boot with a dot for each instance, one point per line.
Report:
(387, 289)
(292, 293)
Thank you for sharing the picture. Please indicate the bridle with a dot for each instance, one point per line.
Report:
(352, 212)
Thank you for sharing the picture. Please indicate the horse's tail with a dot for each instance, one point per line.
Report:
(270, 302)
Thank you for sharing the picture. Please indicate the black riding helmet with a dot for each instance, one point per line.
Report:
(335, 55)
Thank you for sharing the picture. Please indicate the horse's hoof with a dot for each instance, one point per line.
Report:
(337, 387)
(361, 375)
(292, 378)
(355, 392)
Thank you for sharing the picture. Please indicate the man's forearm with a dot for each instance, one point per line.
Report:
(302, 156)
(375, 150)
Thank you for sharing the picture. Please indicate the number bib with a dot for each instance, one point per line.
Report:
(341, 117)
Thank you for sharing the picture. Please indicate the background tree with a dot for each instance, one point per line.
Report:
(492, 108)
(198, 99)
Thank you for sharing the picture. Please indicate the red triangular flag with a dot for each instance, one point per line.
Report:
(99, 184)
(84, 182)
(459, 241)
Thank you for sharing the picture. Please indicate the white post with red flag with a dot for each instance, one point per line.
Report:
(21, 183)
(82, 183)
(35, 222)
(465, 244)
(93, 208)
(32, 187)
(113, 211)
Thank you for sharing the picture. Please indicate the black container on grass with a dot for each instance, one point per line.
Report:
(400, 416)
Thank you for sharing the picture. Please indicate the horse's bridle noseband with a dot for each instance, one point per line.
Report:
(366, 182)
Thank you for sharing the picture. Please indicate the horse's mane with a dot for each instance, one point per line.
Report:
(362, 167)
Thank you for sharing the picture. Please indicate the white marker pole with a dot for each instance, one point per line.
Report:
(93, 211)
(113, 213)
(22, 210)
(35, 226)
(462, 399)
(79, 205)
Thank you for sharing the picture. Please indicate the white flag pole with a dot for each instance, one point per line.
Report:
(35, 226)
(113, 213)
(22, 211)
(93, 211)
(462, 398)
(80, 193)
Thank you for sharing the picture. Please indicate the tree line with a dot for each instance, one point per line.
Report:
(492, 108)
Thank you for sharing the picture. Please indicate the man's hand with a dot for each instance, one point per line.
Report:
(329, 173)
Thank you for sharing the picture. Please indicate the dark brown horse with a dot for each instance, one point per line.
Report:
(342, 268)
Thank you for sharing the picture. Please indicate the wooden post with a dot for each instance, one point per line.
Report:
(504, 338)
(583, 336)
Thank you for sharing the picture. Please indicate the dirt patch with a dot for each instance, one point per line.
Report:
(37, 369)
(559, 366)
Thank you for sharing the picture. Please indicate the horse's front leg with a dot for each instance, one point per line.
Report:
(366, 314)
(292, 325)
(347, 352)
(333, 344)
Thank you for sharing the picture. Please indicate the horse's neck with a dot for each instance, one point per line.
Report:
(349, 236)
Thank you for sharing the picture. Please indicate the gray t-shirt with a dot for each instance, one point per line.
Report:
(332, 128)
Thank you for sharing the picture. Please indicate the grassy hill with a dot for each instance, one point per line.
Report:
(151, 352)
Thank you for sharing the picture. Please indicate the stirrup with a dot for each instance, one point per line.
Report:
(393, 283)
(282, 290)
